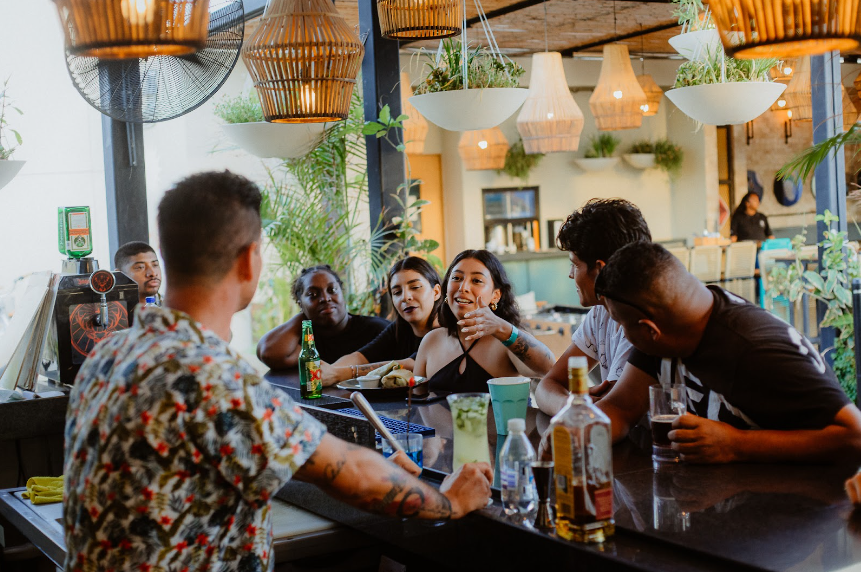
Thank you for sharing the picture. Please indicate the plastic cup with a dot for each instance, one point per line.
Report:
(412, 444)
(510, 398)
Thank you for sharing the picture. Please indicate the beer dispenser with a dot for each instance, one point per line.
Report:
(91, 304)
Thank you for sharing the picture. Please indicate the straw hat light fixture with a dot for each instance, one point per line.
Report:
(483, 150)
(304, 60)
(799, 92)
(419, 19)
(618, 98)
(128, 29)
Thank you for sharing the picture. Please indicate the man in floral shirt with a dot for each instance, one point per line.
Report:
(174, 445)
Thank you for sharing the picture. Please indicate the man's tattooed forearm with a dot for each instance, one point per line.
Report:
(405, 502)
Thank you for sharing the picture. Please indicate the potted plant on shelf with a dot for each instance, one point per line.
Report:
(718, 90)
(467, 89)
(699, 36)
(599, 155)
(668, 156)
(518, 163)
(244, 125)
(8, 167)
(641, 155)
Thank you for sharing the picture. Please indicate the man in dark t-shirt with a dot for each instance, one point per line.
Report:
(743, 368)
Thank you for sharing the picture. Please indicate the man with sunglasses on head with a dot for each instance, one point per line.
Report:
(591, 235)
(743, 368)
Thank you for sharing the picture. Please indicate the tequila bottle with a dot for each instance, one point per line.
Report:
(310, 374)
(583, 458)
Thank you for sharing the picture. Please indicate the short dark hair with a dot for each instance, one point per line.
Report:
(635, 273)
(600, 228)
(129, 249)
(299, 281)
(204, 223)
(506, 308)
(429, 273)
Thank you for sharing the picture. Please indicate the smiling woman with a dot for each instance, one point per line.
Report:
(480, 337)
(318, 291)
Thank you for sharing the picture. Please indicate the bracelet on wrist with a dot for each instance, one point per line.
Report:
(512, 338)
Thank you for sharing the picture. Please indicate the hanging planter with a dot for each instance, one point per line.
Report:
(469, 109)
(469, 89)
(640, 160)
(731, 103)
(696, 45)
(276, 140)
(598, 156)
(8, 170)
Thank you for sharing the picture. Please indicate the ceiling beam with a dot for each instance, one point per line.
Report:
(618, 38)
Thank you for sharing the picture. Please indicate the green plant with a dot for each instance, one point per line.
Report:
(803, 164)
(240, 109)
(668, 156)
(6, 150)
(604, 145)
(483, 68)
(642, 147)
(718, 68)
(693, 15)
(518, 163)
(830, 285)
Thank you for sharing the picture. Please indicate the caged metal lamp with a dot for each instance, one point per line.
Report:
(304, 60)
(127, 29)
(419, 19)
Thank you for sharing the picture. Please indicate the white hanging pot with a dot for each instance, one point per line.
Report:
(596, 163)
(697, 45)
(278, 140)
(640, 160)
(470, 109)
(731, 103)
(8, 170)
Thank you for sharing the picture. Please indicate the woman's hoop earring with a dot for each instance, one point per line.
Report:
(493, 306)
(445, 300)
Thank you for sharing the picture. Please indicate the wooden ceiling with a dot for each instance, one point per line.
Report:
(573, 26)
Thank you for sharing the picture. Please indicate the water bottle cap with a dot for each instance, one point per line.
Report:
(516, 425)
(150, 300)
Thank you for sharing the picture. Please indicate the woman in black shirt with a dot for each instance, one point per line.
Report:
(747, 223)
(416, 294)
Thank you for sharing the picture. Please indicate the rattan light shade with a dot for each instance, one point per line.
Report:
(850, 113)
(304, 60)
(653, 95)
(618, 97)
(124, 29)
(419, 19)
(799, 93)
(483, 150)
(780, 28)
(550, 121)
(416, 127)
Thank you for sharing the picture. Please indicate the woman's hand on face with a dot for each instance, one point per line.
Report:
(483, 322)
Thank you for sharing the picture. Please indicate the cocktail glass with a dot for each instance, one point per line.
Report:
(469, 427)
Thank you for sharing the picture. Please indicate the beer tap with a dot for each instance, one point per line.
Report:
(102, 282)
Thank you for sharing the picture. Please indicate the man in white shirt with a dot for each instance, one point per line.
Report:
(591, 235)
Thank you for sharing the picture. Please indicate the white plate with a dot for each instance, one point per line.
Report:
(353, 385)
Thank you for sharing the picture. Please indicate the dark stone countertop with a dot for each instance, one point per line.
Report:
(775, 517)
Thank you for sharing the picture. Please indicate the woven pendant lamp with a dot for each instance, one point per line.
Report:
(799, 93)
(653, 95)
(550, 121)
(125, 29)
(618, 97)
(416, 127)
(304, 60)
(483, 150)
(419, 19)
(850, 112)
(781, 28)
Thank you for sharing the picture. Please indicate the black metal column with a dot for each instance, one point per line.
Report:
(125, 183)
(380, 86)
(830, 175)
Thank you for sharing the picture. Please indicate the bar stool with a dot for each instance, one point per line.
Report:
(740, 269)
(683, 254)
(706, 263)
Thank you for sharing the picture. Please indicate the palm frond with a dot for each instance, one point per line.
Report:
(803, 164)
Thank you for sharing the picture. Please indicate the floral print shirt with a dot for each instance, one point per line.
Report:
(173, 448)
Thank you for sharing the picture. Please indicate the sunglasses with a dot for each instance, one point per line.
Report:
(602, 292)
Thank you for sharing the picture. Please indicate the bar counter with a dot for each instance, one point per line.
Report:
(690, 517)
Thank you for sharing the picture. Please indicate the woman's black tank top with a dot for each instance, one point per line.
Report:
(450, 380)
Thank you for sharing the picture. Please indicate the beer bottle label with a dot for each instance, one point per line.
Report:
(309, 338)
(315, 377)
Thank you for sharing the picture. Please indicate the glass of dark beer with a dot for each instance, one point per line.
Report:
(665, 405)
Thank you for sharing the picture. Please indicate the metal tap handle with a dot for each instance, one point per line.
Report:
(362, 404)
(103, 311)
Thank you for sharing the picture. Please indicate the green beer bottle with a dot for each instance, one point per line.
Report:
(310, 374)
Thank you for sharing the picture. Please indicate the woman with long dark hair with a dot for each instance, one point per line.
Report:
(480, 337)
(416, 296)
(747, 223)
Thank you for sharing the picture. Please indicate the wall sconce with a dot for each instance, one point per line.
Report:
(748, 131)
(787, 127)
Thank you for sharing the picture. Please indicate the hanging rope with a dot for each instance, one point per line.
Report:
(546, 49)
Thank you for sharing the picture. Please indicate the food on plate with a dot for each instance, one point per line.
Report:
(385, 369)
(397, 378)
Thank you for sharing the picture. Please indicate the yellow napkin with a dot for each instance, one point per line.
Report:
(44, 490)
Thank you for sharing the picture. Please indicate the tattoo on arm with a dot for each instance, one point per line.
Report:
(524, 343)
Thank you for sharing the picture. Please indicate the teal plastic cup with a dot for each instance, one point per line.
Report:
(510, 397)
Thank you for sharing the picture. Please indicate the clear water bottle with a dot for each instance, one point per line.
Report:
(150, 302)
(519, 496)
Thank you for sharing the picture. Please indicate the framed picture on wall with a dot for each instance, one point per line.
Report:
(553, 226)
(511, 219)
